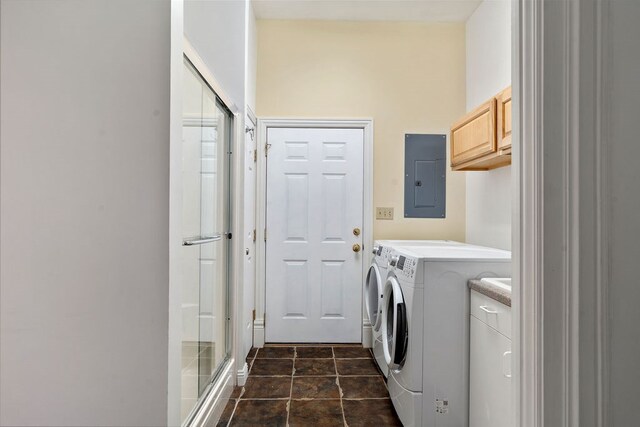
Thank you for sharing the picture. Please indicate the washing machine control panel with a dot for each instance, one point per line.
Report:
(382, 255)
(406, 267)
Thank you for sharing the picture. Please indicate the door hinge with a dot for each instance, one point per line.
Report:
(266, 149)
(254, 234)
(265, 234)
(254, 314)
(255, 156)
(264, 320)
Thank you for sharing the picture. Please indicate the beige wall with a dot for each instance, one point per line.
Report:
(408, 77)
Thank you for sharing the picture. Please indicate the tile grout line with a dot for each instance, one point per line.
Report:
(359, 375)
(266, 398)
(314, 398)
(335, 364)
(253, 360)
(313, 376)
(233, 412)
(242, 391)
(293, 371)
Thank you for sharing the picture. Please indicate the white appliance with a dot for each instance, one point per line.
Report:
(425, 329)
(374, 285)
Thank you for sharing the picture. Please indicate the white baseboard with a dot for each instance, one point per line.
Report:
(216, 400)
(258, 333)
(242, 374)
(367, 334)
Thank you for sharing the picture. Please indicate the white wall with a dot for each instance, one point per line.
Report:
(252, 57)
(624, 292)
(216, 29)
(488, 204)
(84, 212)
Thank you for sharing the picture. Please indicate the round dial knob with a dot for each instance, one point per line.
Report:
(375, 249)
(394, 260)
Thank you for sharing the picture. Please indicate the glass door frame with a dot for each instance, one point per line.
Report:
(219, 380)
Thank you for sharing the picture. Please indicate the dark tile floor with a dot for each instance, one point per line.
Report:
(305, 385)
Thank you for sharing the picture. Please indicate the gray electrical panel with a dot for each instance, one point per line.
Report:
(425, 176)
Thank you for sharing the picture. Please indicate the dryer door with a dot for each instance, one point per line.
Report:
(395, 331)
(373, 297)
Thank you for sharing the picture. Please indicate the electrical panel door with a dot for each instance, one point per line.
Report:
(425, 180)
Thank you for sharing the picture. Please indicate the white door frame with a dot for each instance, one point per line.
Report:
(550, 304)
(367, 226)
(560, 212)
(526, 231)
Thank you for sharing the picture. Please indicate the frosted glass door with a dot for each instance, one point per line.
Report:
(205, 201)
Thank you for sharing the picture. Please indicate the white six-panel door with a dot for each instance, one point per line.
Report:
(314, 203)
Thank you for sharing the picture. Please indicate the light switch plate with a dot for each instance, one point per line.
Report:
(384, 213)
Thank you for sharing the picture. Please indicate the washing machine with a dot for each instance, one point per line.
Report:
(374, 284)
(425, 329)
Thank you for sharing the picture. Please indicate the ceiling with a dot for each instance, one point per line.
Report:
(367, 10)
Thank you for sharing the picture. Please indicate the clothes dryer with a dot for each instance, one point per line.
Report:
(374, 284)
(425, 329)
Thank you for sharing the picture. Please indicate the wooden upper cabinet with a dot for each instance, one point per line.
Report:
(504, 121)
(481, 140)
(474, 135)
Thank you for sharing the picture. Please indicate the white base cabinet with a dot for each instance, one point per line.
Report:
(490, 400)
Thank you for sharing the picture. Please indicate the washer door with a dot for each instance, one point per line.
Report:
(395, 330)
(373, 298)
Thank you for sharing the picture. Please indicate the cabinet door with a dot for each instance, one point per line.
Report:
(475, 134)
(504, 120)
(490, 402)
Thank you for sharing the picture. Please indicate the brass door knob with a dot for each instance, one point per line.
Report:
(356, 231)
(356, 247)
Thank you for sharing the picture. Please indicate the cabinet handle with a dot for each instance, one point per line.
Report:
(504, 371)
(488, 310)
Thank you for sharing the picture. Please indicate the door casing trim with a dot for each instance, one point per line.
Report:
(561, 217)
(367, 226)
